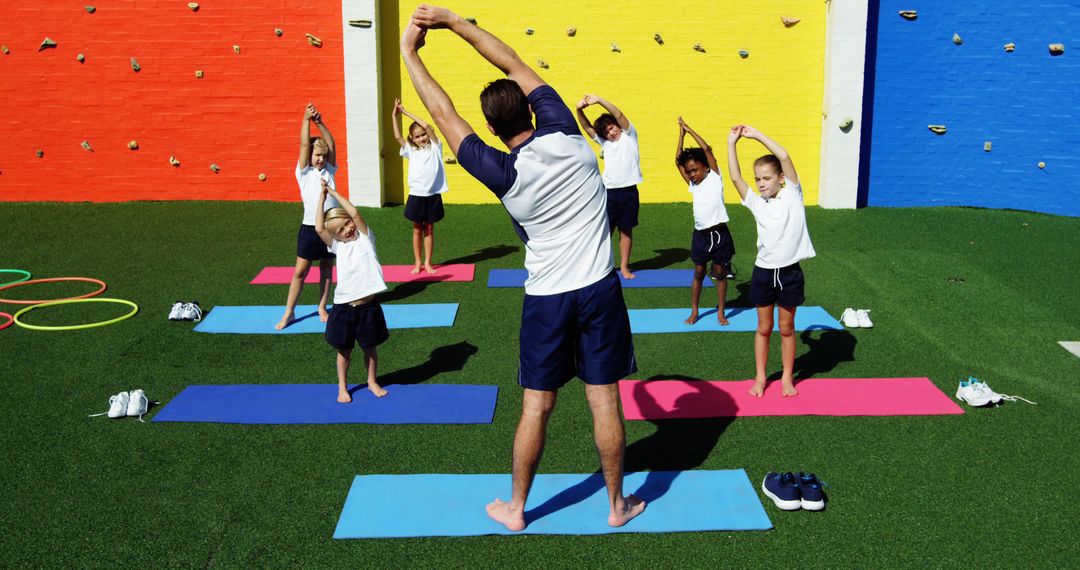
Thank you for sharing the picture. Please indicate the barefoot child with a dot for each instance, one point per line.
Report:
(317, 164)
(622, 170)
(711, 240)
(356, 318)
(782, 243)
(427, 182)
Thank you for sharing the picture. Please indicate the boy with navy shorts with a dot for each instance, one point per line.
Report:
(574, 320)
(711, 240)
(356, 318)
(618, 140)
(783, 241)
(316, 166)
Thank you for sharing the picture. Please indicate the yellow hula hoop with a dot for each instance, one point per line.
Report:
(134, 310)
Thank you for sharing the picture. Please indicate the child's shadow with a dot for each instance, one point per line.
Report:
(410, 288)
(449, 358)
(824, 353)
(677, 445)
(663, 258)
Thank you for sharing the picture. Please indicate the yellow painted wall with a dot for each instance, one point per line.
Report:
(777, 89)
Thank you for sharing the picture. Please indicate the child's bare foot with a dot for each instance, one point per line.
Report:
(343, 396)
(692, 318)
(758, 389)
(720, 317)
(788, 388)
(626, 273)
(284, 322)
(415, 269)
(379, 391)
(323, 314)
(503, 514)
(632, 507)
(430, 270)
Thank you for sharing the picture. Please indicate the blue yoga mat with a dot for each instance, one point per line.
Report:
(317, 404)
(383, 506)
(643, 321)
(260, 319)
(644, 278)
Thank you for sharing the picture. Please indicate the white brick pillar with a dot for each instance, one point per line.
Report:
(845, 55)
(362, 103)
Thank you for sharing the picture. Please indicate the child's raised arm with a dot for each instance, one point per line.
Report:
(775, 148)
(610, 107)
(320, 218)
(431, 135)
(733, 161)
(331, 153)
(305, 137)
(395, 118)
(361, 225)
(679, 151)
(582, 120)
(704, 146)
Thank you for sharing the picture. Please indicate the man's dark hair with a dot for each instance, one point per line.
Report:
(506, 108)
(602, 122)
(692, 153)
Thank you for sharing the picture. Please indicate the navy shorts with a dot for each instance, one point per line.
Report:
(360, 324)
(585, 332)
(428, 209)
(714, 244)
(782, 286)
(622, 207)
(310, 246)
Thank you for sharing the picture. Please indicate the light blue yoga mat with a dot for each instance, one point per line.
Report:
(384, 506)
(643, 279)
(260, 319)
(644, 321)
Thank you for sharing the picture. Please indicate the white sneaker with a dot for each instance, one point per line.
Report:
(191, 312)
(850, 319)
(972, 394)
(118, 405)
(176, 312)
(137, 403)
(985, 388)
(863, 316)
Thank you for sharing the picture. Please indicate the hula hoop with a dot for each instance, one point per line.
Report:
(15, 319)
(10, 321)
(26, 275)
(51, 280)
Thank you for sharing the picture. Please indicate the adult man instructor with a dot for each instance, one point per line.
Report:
(573, 318)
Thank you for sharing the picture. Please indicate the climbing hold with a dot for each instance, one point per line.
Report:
(86, 146)
(697, 47)
(937, 129)
(529, 31)
(313, 40)
(173, 161)
(40, 153)
(5, 49)
(1042, 165)
(360, 23)
(1010, 46)
(1057, 49)
(450, 159)
(571, 32)
(658, 39)
(541, 63)
(46, 43)
(956, 39)
(214, 167)
(236, 49)
(742, 53)
(909, 14)
(471, 20)
(987, 146)
(788, 22)
(194, 6)
(135, 65)
(81, 58)
(262, 177)
(278, 32)
(133, 145)
(846, 124)
(615, 47)
(198, 74)
(90, 9)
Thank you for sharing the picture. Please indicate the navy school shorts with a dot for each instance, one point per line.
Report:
(622, 207)
(585, 332)
(310, 246)
(361, 324)
(714, 244)
(782, 286)
(428, 209)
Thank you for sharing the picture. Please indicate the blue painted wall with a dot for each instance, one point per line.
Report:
(1026, 103)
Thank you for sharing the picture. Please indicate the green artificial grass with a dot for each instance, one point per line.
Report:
(953, 292)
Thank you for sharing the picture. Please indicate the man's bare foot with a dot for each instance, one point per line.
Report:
(788, 388)
(632, 507)
(323, 315)
(284, 322)
(503, 514)
(626, 273)
(758, 389)
(343, 396)
(430, 270)
(415, 269)
(692, 318)
(379, 391)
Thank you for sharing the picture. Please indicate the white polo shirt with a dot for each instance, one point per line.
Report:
(310, 181)
(709, 209)
(781, 227)
(622, 160)
(358, 271)
(427, 176)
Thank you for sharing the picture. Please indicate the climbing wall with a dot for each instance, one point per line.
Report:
(242, 115)
(1002, 106)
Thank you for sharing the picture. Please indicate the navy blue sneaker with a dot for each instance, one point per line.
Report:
(813, 497)
(783, 489)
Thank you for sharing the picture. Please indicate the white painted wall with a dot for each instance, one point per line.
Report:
(845, 55)
(362, 104)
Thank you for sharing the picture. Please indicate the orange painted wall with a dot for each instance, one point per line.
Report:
(244, 114)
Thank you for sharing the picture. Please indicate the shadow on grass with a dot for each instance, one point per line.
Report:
(408, 289)
(677, 445)
(448, 358)
(662, 259)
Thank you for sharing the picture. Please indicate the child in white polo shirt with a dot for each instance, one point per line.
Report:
(427, 182)
(356, 318)
(782, 243)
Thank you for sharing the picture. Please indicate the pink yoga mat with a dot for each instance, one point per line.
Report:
(667, 399)
(391, 274)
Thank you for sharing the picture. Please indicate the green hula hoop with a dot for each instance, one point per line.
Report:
(26, 275)
(134, 309)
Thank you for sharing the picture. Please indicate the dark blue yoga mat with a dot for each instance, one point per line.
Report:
(643, 279)
(383, 506)
(317, 404)
(644, 321)
(260, 319)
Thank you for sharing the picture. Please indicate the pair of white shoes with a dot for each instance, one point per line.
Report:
(856, 318)
(975, 392)
(185, 312)
(127, 404)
